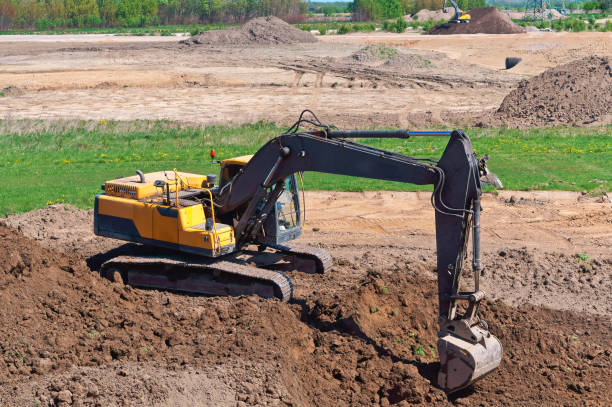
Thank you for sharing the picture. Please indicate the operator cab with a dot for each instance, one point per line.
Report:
(285, 223)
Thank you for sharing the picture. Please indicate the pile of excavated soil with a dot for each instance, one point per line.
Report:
(380, 55)
(263, 30)
(68, 337)
(577, 93)
(63, 228)
(487, 20)
(434, 15)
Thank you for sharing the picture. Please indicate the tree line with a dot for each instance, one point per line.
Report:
(49, 14)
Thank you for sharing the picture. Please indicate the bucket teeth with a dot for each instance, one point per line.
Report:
(463, 362)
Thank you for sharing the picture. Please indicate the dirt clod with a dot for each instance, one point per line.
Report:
(487, 20)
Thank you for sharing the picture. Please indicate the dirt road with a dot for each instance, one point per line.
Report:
(114, 78)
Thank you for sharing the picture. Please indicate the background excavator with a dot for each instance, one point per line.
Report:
(459, 16)
(200, 234)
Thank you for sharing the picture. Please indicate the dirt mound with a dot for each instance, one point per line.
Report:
(579, 93)
(63, 228)
(487, 20)
(11, 91)
(384, 56)
(263, 30)
(434, 15)
(68, 337)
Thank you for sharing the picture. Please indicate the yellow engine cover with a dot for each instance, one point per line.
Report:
(134, 211)
(133, 188)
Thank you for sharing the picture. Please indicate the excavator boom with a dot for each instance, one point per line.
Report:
(467, 349)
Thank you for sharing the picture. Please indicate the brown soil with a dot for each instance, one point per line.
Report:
(62, 228)
(361, 335)
(487, 20)
(262, 30)
(576, 93)
(434, 15)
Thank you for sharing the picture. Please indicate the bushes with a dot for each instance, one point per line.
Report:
(569, 24)
(428, 25)
(365, 27)
(606, 27)
(345, 29)
(399, 26)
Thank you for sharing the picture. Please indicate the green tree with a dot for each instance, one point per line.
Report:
(108, 11)
(329, 10)
(8, 11)
(28, 12)
(56, 9)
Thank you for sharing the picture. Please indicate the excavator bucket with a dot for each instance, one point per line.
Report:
(463, 362)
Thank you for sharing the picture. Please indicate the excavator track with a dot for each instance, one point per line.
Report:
(194, 275)
(321, 258)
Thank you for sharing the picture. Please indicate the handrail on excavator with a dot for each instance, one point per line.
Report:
(401, 133)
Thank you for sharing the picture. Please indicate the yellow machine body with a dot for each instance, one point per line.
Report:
(136, 210)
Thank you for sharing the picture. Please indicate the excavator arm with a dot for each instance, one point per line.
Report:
(467, 350)
(459, 17)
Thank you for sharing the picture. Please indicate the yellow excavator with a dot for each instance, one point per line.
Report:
(459, 16)
(232, 234)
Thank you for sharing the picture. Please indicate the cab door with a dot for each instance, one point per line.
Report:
(286, 221)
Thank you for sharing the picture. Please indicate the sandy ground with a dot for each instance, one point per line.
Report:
(113, 77)
(539, 50)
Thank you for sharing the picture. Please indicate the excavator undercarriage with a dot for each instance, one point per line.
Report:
(234, 237)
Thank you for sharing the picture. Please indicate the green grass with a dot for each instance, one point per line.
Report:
(149, 30)
(49, 162)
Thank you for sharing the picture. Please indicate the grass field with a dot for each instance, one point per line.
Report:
(55, 162)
